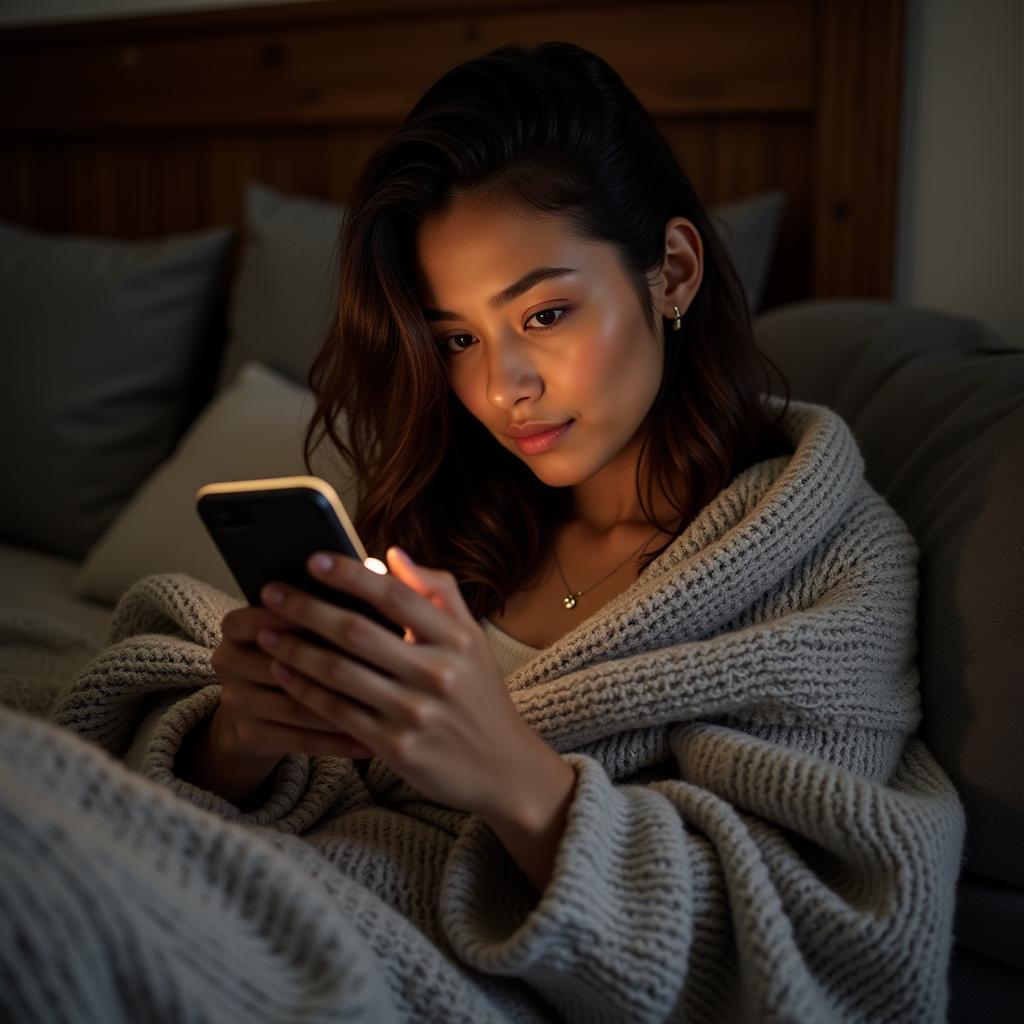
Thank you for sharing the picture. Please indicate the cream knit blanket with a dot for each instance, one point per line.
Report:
(757, 833)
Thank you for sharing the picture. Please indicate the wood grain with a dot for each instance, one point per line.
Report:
(138, 127)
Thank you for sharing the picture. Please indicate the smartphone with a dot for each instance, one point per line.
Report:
(267, 529)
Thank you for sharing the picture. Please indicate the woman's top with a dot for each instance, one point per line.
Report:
(509, 652)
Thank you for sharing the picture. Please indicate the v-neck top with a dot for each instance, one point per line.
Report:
(509, 652)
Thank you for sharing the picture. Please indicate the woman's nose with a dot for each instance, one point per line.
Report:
(511, 374)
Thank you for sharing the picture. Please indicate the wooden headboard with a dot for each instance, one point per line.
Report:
(137, 127)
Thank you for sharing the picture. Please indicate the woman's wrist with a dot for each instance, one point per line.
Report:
(211, 759)
(531, 828)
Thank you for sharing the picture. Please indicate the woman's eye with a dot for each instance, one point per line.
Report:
(545, 325)
(443, 347)
(542, 326)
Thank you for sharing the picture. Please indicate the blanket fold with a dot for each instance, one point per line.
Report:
(757, 832)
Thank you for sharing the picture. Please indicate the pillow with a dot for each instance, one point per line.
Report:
(935, 402)
(101, 338)
(750, 228)
(253, 428)
(286, 294)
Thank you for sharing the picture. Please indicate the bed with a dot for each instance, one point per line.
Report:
(166, 244)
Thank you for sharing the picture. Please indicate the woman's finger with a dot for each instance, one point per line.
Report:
(332, 631)
(360, 722)
(250, 689)
(313, 742)
(273, 705)
(245, 661)
(242, 624)
(345, 681)
(438, 586)
(393, 597)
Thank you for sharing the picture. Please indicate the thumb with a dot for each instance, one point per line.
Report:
(438, 587)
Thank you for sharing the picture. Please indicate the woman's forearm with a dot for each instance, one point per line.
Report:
(531, 830)
(210, 761)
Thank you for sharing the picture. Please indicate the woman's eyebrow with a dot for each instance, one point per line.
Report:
(506, 295)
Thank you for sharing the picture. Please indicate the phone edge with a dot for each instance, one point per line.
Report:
(280, 483)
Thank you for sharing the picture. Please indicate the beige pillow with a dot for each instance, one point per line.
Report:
(253, 428)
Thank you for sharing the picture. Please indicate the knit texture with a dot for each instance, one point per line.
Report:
(757, 833)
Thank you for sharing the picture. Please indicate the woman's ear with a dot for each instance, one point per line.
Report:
(684, 265)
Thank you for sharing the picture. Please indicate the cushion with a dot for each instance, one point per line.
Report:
(750, 229)
(252, 429)
(287, 288)
(101, 339)
(936, 402)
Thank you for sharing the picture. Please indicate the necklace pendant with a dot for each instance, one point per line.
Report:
(569, 601)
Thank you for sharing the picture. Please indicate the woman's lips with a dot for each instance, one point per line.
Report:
(542, 442)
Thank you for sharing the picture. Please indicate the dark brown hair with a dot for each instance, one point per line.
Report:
(548, 129)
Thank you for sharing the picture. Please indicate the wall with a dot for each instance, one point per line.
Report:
(960, 240)
(960, 233)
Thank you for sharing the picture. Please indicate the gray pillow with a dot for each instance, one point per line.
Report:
(287, 289)
(750, 228)
(100, 341)
(936, 402)
(285, 295)
(252, 429)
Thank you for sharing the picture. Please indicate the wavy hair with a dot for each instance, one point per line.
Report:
(549, 129)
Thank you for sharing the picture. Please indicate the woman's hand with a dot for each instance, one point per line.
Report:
(434, 706)
(255, 715)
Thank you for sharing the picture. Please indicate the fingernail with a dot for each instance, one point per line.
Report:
(322, 562)
(269, 637)
(273, 595)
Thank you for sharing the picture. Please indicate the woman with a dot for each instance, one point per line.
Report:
(648, 750)
(624, 319)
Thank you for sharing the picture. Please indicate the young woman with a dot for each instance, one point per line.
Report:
(647, 751)
(525, 252)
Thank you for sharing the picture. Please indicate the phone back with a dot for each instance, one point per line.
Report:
(269, 534)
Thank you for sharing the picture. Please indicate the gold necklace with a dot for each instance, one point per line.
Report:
(569, 601)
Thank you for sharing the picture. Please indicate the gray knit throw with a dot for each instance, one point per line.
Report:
(757, 832)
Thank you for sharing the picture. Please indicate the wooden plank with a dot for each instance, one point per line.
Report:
(137, 167)
(735, 157)
(679, 58)
(268, 17)
(857, 147)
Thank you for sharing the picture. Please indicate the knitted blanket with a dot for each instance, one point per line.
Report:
(757, 832)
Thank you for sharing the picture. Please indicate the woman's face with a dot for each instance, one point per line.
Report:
(597, 363)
